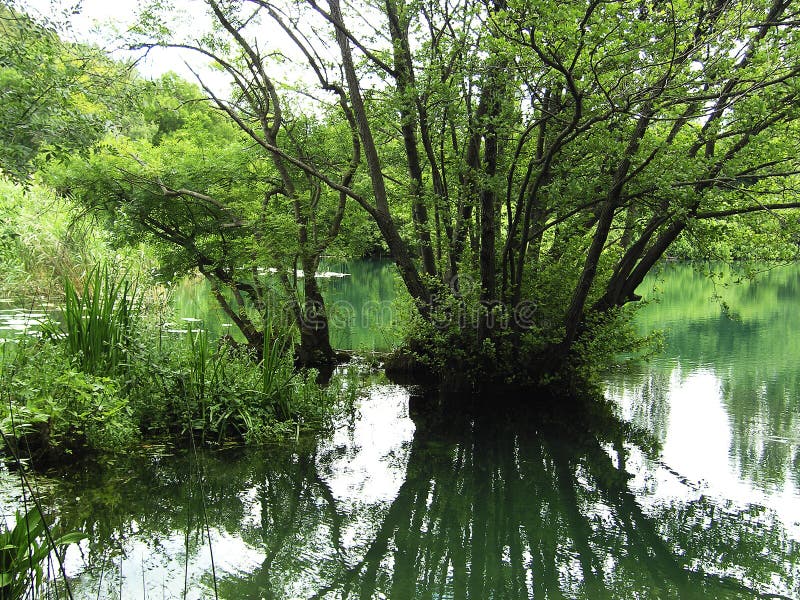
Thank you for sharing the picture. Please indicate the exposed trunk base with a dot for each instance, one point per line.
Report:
(315, 348)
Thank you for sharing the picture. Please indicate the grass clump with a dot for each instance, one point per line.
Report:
(111, 379)
(99, 321)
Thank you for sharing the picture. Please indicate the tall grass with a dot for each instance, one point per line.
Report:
(41, 243)
(206, 365)
(277, 371)
(99, 321)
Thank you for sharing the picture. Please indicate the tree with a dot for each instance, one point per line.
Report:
(181, 179)
(54, 94)
(561, 148)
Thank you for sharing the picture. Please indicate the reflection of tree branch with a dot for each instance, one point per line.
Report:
(543, 553)
(286, 525)
(643, 533)
(336, 518)
(580, 528)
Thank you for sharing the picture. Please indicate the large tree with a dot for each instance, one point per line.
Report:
(549, 152)
(185, 180)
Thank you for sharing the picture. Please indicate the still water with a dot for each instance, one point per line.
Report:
(364, 300)
(699, 497)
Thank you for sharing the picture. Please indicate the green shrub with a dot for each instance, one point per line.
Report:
(63, 397)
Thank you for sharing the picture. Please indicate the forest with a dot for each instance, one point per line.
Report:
(524, 166)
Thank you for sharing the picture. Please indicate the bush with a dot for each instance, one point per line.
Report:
(52, 408)
(110, 377)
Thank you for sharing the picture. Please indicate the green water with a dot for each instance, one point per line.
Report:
(395, 504)
(363, 306)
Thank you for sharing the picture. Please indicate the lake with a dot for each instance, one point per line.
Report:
(697, 497)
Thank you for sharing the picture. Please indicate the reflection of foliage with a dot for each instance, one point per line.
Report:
(491, 507)
(754, 356)
(504, 511)
(646, 395)
(364, 310)
(766, 432)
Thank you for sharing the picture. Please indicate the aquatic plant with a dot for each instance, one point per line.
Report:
(99, 321)
(25, 549)
(277, 372)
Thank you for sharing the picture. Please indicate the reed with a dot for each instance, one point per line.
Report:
(206, 365)
(277, 371)
(99, 321)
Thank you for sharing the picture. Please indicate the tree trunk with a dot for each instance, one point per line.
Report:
(315, 346)
(381, 212)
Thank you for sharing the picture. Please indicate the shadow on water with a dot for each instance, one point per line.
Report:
(503, 503)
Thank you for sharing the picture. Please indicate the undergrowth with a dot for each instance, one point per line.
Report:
(108, 378)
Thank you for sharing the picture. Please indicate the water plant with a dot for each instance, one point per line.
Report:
(276, 371)
(25, 549)
(99, 320)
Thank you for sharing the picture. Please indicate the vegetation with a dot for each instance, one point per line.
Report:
(112, 380)
(41, 244)
(56, 96)
(546, 155)
(25, 552)
(184, 182)
(525, 166)
(99, 321)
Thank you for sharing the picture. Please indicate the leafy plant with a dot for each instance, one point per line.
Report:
(24, 550)
(99, 321)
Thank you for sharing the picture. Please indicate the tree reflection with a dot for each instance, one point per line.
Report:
(498, 505)
(746, 335)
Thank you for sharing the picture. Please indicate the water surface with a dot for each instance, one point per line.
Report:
(698, 499)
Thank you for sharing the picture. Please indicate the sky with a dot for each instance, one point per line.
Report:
(99, 22)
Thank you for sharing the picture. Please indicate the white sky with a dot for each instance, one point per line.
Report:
(100, 22)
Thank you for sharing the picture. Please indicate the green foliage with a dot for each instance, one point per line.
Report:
(756, 237)
(41, 244)
(51, 408)
(554, 152)
(277, 372)
(90, 411)
(99, 321)
(24, 553)
(166, 387)
(196, 386)
(57, 97)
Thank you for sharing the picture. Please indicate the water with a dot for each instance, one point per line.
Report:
(363, 307)
(398, 505)
(19, 322)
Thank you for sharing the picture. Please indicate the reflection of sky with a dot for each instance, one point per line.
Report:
(698, 447)
(158, 569)
(722, 395)
(364, 466)
(372, 466)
